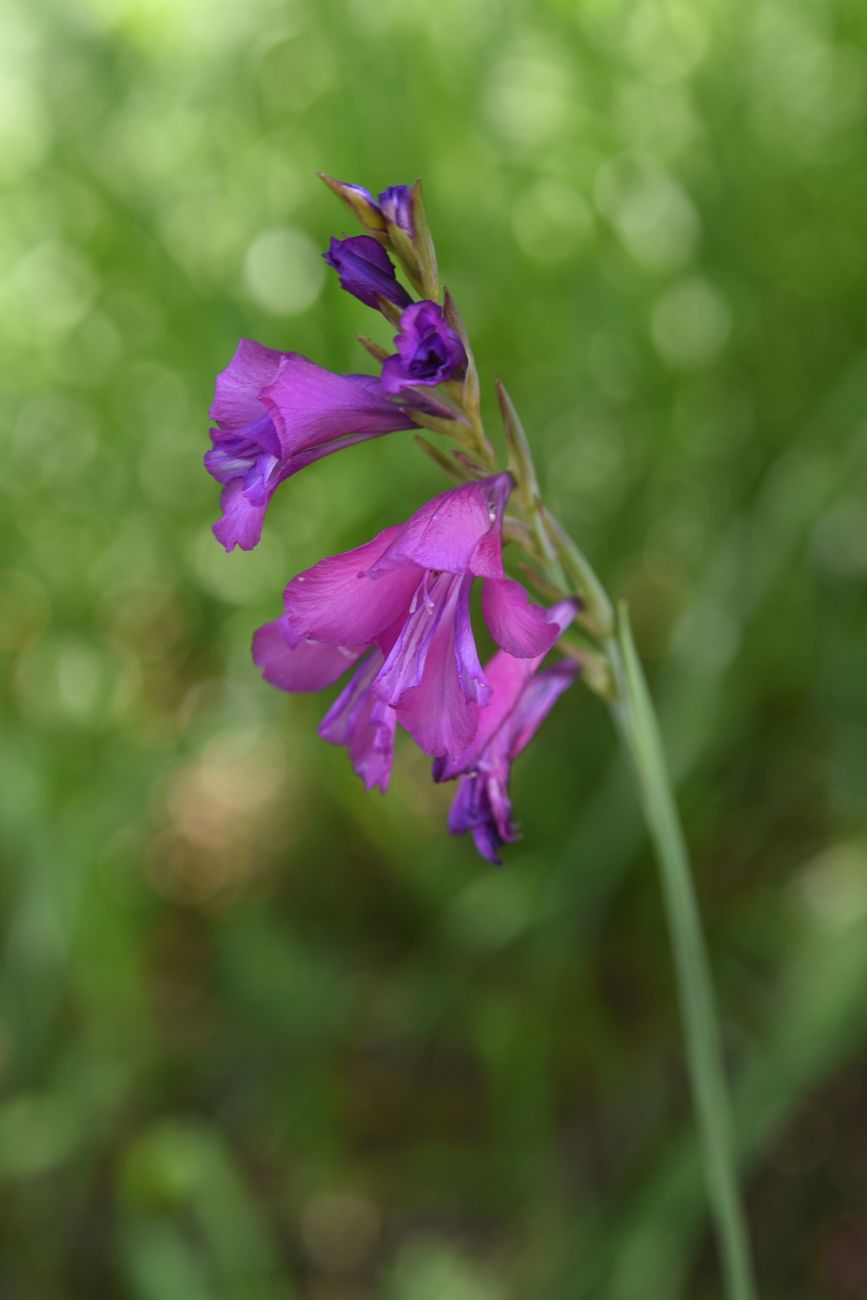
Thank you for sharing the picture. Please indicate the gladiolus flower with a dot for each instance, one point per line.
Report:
(429, 351)
(275, 413)
(405, 596)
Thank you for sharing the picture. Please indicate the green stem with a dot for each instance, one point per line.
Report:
(637, 723)
(626, 690)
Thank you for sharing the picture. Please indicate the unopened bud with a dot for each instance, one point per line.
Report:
(360, 202)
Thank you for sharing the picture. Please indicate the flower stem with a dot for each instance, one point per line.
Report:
(636, 721)
(617, 676)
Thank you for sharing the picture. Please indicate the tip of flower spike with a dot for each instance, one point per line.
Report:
(360, 202)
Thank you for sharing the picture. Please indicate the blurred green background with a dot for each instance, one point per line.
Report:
(263, 1035)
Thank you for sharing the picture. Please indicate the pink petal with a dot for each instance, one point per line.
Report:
(520, 628)
(538, 699)
(507, 678)
(448, 533)
(304, 666)
(436, 713)
(338, 603)
(474, 682)
(364, 724)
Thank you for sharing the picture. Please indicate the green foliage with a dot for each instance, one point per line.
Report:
(263, 1035)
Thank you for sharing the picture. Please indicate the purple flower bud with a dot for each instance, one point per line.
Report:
(360, 202)
(429, 351)
(365, 270)
(396, 206)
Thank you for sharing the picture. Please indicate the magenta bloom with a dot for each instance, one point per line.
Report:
(275, 413)
(405, 596)
(521, 699)
(365, 270)
(428, 350)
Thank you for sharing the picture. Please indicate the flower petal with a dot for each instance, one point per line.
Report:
(299, 665)
(474, 683)
(437, 713)
(446, 533)
(236, 401)
(429, 352)
(336, 602)
(538, 699)
(241, 522)
(364, 724)
(366, 270)
(520, 628)
(396, 205)
(405, 663)
(482, 806)
(310, 405)
(508, 679)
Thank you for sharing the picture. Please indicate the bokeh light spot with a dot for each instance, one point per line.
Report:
(284, 272)
(690, 324)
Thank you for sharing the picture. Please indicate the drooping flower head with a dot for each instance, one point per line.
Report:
(366, 270)
(429, 351)
(521, 699)
(275, 413)
(405, 597)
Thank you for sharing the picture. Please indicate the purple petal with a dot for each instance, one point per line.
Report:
(429, 352)
(359, 190)
(365, 270)
(278, 412)
(335, 601)
(394, 376)
(396, 205)
(364, 724)
(233, 454)
(237, 390)
(444, 599)
(538, 699)
(403, 669)
(520, 628)
(507, 678)
(474, 683)
(437, 712)
(311, 406)
(242, 519)
(482, 806)
(299, 665)
(459, 531)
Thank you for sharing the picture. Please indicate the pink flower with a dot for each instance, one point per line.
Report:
(521, 699)
(405, 597)
(275, 413)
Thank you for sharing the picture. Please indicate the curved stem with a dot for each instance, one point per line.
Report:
(636, 721)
